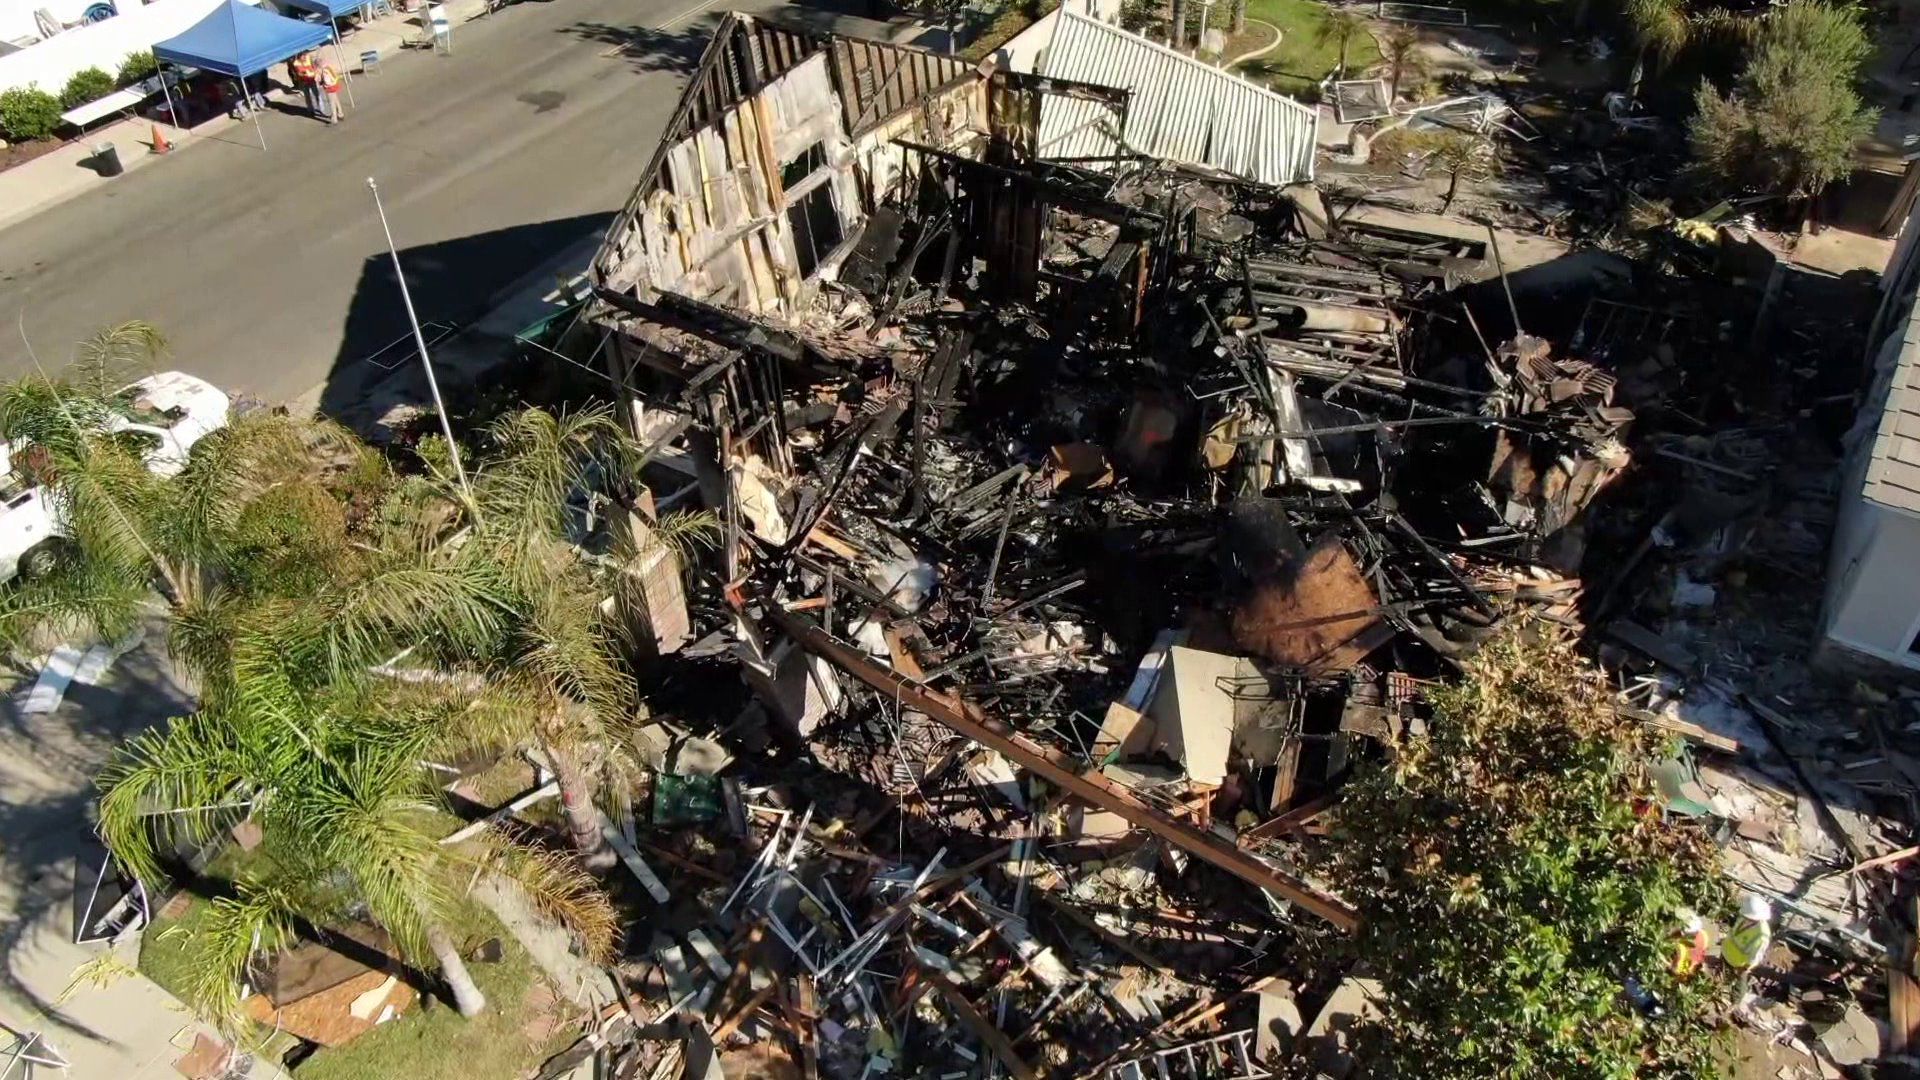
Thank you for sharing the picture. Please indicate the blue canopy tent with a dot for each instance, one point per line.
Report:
(239, 40)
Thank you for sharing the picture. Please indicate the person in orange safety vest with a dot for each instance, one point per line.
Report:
(304, 74)
(330, 87)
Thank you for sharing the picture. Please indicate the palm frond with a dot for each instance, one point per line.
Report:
(257, 919)
(177, 783)
(200, 634)
(228, 469)
(401, 606)
(489, 716)
(685, 533)
(52, 415)
(566, 649)
(76, 600)
(108, 502)
(558, 888)
(366, 818)
(542, 462)
(112, 351)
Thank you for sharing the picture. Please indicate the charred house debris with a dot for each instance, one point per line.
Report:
(1085, 519)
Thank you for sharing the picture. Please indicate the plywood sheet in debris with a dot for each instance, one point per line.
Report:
(1193, 711)
(340, 1014)
(1320, 614)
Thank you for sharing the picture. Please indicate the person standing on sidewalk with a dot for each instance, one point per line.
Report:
(301, 70)
(330, 90)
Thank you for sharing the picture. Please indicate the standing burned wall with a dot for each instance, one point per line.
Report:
(782, 145)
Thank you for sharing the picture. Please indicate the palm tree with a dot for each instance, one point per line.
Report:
(257, 508)
(1239, 16)
(330, 770)
(1660, 29)
(1340, 26)
(565, 638)
(1402, 49)
(1177, 25)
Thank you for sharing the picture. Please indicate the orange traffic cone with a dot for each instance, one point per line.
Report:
(160, 143)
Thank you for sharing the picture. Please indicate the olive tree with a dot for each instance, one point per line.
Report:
(1790, 124)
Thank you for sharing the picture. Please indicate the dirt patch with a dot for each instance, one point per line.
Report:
(758, 1062)
(21, 153)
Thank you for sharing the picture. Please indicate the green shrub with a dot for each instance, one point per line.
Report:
(1790, 125)
(87, 84)
(27, 113)
(1139, 15)
(137, 66)
(1013, 18)
(1510, 879)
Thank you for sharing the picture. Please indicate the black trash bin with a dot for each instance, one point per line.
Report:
(106, 160)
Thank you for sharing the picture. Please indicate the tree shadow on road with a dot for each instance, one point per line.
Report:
(875, 19)
(646, 48)
(679, 49)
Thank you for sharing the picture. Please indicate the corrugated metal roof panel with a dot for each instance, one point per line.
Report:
(1182, 109)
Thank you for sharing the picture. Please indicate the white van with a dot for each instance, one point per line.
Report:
(166, 414)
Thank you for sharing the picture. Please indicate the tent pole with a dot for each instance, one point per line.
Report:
(340, 55)
(173, 114)
(253, 112)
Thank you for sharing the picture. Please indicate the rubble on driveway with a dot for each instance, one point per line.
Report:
(1085, 523)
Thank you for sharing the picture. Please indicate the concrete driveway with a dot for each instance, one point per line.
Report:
(267, 268)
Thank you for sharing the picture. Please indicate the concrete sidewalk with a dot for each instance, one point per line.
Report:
(129, 1028)
(67, 172)
(62, 174)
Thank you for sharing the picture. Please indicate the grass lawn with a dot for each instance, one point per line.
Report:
(164, 948)
(516, 1032)
(1302, 59)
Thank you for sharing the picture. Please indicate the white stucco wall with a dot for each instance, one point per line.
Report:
(50, 63)
(1874, 605)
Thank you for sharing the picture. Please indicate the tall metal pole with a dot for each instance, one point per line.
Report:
(420, 342)
(246, 102)
(174, 119)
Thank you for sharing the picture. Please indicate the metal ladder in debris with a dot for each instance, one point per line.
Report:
(1222, 1056)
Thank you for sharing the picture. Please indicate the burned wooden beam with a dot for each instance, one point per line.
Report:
(1068, 88)
(1056, 769)
(715, 324)
(1049, 189)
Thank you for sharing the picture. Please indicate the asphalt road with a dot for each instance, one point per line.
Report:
(266, 269)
